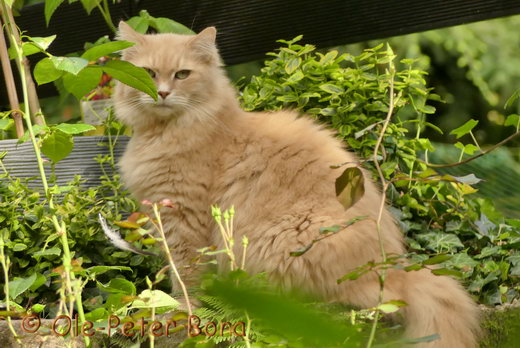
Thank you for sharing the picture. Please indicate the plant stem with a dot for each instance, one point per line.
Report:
(512, 136)
(159, 226)
(34, 103)
(382, 276)
(60, 229)
(105, 12)
(5, 266)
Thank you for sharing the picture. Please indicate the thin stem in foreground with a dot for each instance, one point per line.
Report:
(384, 185)
(160, 228)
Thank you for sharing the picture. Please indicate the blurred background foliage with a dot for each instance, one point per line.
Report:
(473, 67)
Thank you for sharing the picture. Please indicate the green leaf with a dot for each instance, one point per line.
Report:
(19, 247)
(40, 280)
(445, 271)
(19, 285)
(72, 65)
(105, 49)
(37, 308)
(9, 3)
(468, 149)
(51, 251)
(166, 25)
(332, 89)
(512, 120)
(6, 123)
(76, 128)
(132, 76)
(297, 76)
(50, 7)
(119, 286)
(154, 298)
(437, 259)
(97, 314)
(292, 65)
(512, 98)
(440, 241)
(57, 145)
(464, 129)
(96, 270)
(350, 187)
(89, 5)
(84, 82)
(139, 24)
(333, 229)
(45, 71)
(43, 42)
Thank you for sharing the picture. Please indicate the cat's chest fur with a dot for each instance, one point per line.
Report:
(164, 167)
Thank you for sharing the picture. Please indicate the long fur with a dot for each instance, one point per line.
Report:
(197, 148)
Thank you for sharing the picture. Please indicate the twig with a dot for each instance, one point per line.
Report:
(382, 276)
(512, 136)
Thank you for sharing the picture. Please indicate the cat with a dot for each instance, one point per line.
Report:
(197, 147)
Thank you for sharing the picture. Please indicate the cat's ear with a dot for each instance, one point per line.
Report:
(127, 33)
(204, 47)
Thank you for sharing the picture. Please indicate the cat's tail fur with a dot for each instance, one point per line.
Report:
(439, 305)
(435, 305)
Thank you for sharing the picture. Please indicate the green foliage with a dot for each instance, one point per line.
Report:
(33, 246)
(437, 212)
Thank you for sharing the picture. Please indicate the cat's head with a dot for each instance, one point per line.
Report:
(187, 72)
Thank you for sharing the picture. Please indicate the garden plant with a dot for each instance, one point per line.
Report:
(57, 259)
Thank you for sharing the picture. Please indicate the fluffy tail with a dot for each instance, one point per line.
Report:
(439, 305)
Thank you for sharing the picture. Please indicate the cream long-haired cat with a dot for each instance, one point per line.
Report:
(195, 146)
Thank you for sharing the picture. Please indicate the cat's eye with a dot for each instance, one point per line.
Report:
(182, 74)
(151, 72)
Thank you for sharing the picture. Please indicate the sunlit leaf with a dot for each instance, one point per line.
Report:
(464, 129)
(350, 187)
(57, 145)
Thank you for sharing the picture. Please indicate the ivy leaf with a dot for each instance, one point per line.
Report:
(19, 285)
(96, 52)
(72, 65)
(464, 129)
(350, 187)
(45, 71)
(440, 241)
(73, 129)
(132, 76)
(57, 145)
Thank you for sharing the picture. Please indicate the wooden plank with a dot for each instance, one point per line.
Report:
(249, 29)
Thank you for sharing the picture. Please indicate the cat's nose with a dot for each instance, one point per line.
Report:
(163, 94)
